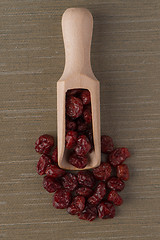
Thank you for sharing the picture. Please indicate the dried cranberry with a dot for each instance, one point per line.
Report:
(83, 146)
(78, 161)
(42, 164)
(50, 184)
(106, 144)
(44, 144)
(74, 107)
(71, 125)
(115, 183)
(118, 156)
(87, 114)
(85, 97)
(81, 125)
(73, 91)
(55, 155)
(71, 139)
(54, 171)
(106, 210)
(77, 205)
(61, 199)
(69, 181)
(115, 198)
(123, 172)
(89, 213)
(98, 195)
(84, 191)
(86, 178)
(103, 172)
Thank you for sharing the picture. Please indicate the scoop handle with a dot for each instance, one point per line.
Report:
(77, 27)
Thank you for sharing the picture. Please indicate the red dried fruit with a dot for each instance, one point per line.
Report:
(74, 107)
(106, 210)
(69, 181)
(85, 97)
(115, 183)
(71, 139)
(54, 171)
(42, 164)
(86, 178)
(77, 205)
(73, 91)
(103, 172)
(89, 213)
(71, 125)
(55, 155)
(98, 195)
(87, 114)
(123, 172)
(78, 161)
(118, 156)
(115, 198)
(84, 191)
(83, 146)
(61, 199)
(50, 184)
(106, 144)
(81, 125)
(44, 144)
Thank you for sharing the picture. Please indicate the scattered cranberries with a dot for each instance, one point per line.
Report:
(54, 171)
(61, 199)
(42, 164)
(44, 144)
(98, 195)
(51, 184)
(106, 144)
(106, 210)
(115, 183)
(55, 155)
(118, 156)
(86, 178)
(77, 205)
(78, 161)
(115, 198)
(89, 213)
(103, 172)
(69, 181)
(84, 191)
(123, 172)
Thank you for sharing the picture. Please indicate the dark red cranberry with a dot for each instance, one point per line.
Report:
(85, 97)
(69, 181)
(73, 91)
(81, 125)
(77, 205)
(115, 198)
(61, 199)
(84, 191)
(98, 195)
(44, 144)
(78, 161)
(71, 125)
(42, 164)
(123, 172)
(87, 114)
(115, 183)
(103, 172)
(118, 156)
(51, 184)
(55, 155)
(54, 171)
(106, 210)
(89, 213)
(74, 107)
(106, 144)
(86, 178)
(83, 146)
(71, 139)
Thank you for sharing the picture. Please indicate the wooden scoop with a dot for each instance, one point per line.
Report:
(77, 25)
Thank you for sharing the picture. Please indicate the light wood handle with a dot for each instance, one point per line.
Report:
(77, 26)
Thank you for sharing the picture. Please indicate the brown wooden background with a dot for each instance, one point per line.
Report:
(126, 60)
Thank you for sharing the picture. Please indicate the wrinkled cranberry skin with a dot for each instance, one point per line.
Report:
(107, 145)
(87, 115)
(84, 191)
(54, 171)
(71, 125)
(115, 183)
(106, 210)
(83, 146)
(118, 156)
(50, 184)
(55, 155)
(44, 144)
(74, 107)
(86, 178)
(61, 199)
(78, 161)
(98, 195)
(115, 198)
(123, 172)
(81, 125)
(73, 91)
(77, 205)
(103, 172)
(89, 213)
(71, 139)
(85, 97)
(42, 164)
(69, 181)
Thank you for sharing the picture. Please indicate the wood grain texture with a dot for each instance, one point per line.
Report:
(125, 58)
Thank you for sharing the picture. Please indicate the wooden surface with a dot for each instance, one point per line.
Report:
(125, 58)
